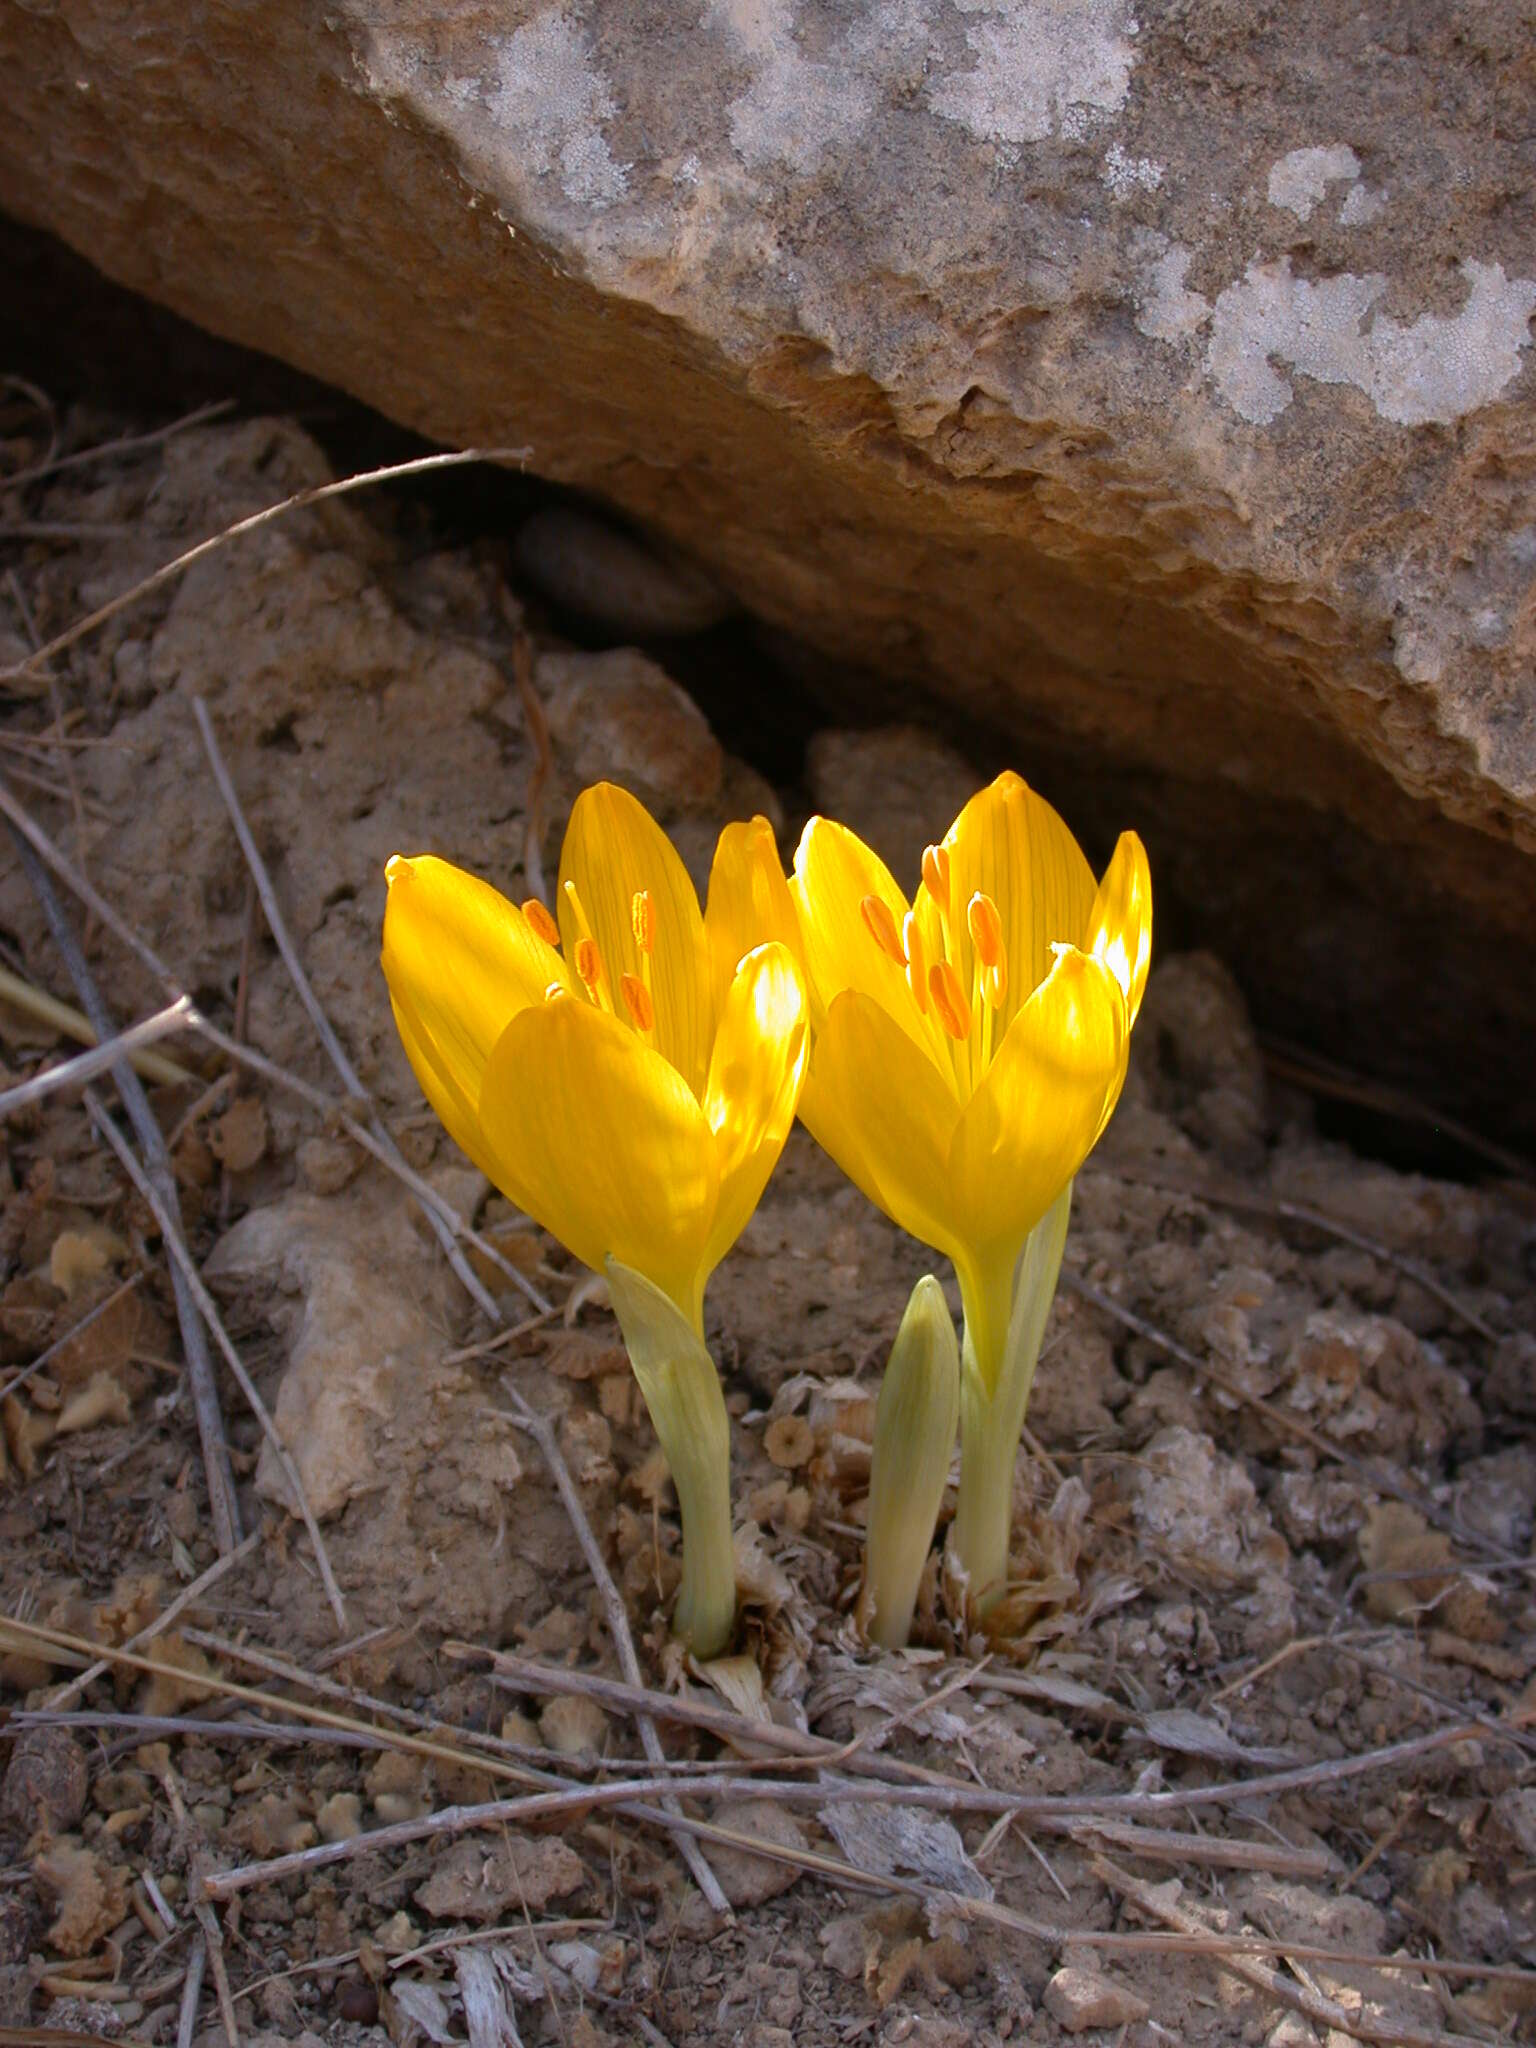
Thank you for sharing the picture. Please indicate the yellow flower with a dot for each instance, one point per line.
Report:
(968, 1050)
(628, 1077)
(633, 1091)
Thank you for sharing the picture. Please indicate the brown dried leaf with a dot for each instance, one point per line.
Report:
(168, 1691)
(92, 1897)
(102, 1399)
(238, 1139)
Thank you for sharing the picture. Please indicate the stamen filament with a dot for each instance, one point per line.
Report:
(916, 951)
(642, 922)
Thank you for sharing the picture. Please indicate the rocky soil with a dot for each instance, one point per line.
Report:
(1276, 1514)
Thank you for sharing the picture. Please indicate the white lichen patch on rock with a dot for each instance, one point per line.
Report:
(1298, 181)
(1165, 309)
(545, 90)
(1125, 174)
(1436, 368)
(1040, 66)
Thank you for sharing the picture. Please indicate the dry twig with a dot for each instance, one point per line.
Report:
(334, 1050)
(182, 1259)
(327, 1106)
(1240, 1959)
(126, 444)
(160, 1183)
(67, 1695)
(86, 1066)
(528, 1419)
(314, 495)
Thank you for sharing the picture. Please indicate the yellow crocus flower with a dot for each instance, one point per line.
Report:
(968, 1049)
(628, 1077)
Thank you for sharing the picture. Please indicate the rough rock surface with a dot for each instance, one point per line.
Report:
(1157, 379)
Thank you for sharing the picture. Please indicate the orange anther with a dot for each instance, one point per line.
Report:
(994, 983)
(541, 922)
(642, 919)
(936, 875)
(949, 1000)
(882, 928)
(917, 960)
(637, 1000)
(986, 929)
(589, 964)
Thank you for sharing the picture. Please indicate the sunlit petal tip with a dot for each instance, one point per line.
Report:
(1119, 930)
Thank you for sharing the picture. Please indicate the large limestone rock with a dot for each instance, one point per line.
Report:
(1154, 378)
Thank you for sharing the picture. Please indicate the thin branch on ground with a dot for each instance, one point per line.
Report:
(1377, 1476)
(72, 1023)
(527, 1418)
(1225, 1195)
(125, 444)
(86, 1066)
(314, 495)
(1240, 1960)
(187, 1597)
(27, 1372)
(192, 1991)
(208, 1921)
(334, 1050)
(182, 1259)
(327, 1106)
(160, 1182)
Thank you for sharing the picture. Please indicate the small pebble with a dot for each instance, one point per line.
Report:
(1079, 1999)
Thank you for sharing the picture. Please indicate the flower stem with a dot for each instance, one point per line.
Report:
(681, 1387)
(994, 1393)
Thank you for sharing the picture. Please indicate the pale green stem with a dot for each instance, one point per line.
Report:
(915, 1421)
(995, 1382)
(681, 1388)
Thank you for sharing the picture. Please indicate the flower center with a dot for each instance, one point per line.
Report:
(960, 1008)
(634, 990)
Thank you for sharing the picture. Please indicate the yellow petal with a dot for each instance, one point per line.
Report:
(886, 1112)
(441, 1087)
(613, 849)
(1010, 844)
(1040, 1105)
(755, 1074)
(1120, 923)
(460, 961)
(605, 1142)
(834, 872)
(748, 904)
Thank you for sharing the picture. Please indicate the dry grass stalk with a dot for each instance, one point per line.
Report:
(526, 1418)
(159, 1181)
(1377, 1476)
(126, 444)
(67, 1695)
(1239, 1958)
(1225, 1195)
(334, 1051)
(335, 1113)
(314, 495)
(86, 1066)
(183, 1260)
